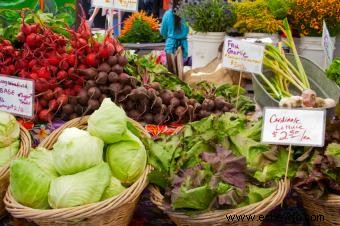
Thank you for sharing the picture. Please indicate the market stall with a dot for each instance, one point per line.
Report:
(95, 130)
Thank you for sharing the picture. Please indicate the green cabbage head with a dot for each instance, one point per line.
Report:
(29, 185)
(7, 153)
(114, 189)
(44, 159)
(81, 188)
(108, 123)
(9, 129)
(76, 150)
(127, 159)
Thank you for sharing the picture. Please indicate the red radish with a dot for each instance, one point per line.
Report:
(54, 69)
(107, 50)
(58, 92)
(52, 105)
(6, 43)
(61, 75)
(34, 28)
(68, 84)
(41, 85)
(26, 29)
(43, 103)
(64, 65)
(37, 106)
(36, 68)
(91, 60)
(45, 116)
(62, 100)
(33, 76)
(71, 59)
(33, 40)
(32, 63)
(53, 83)
(70, 71)
(44, 73)
(82, 67)
(11, 69)
(53, 60)
(48, 95)
(67, 92)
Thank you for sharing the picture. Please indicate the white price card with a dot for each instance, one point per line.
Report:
(327, 43)
(299, 127)
(126, 5)
(103, 3)
(17, 96)
(242, 55)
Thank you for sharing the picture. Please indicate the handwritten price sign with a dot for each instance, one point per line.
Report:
(300, 127)
(17, 96)
(243, 56)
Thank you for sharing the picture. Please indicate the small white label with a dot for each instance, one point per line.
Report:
(327, 43)
(300, 127)
(242, 55)
(126, 5)
(17, 96)
(103, 3)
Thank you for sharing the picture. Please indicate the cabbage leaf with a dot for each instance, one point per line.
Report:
(7, 153)
(76, 150)
(9, 129)
(44, 159)
(108, 123)
(29, 185)
(114, 189)
(80, 188)
(127, 159)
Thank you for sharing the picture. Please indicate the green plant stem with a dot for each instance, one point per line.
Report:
(291, 45)
(287, 75)
(263, 77)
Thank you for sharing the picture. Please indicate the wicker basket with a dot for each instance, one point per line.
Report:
(116, 211)
(324, 211)
(25, 145)
(218, 217)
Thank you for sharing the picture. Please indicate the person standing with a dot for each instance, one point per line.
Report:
(175, 30)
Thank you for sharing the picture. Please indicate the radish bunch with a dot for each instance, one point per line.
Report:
(53, 61)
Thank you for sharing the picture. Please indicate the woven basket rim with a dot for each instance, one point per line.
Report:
(277, 196)
(85, 211)
(25, 146)
(326, 200)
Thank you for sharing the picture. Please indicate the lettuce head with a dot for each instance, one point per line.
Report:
(127, 159)
(108, 123)
(76, 150)
(44, 160)
(7, 153)
(114, 189)
(81, 188)
(9, 129)
(29, 185)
